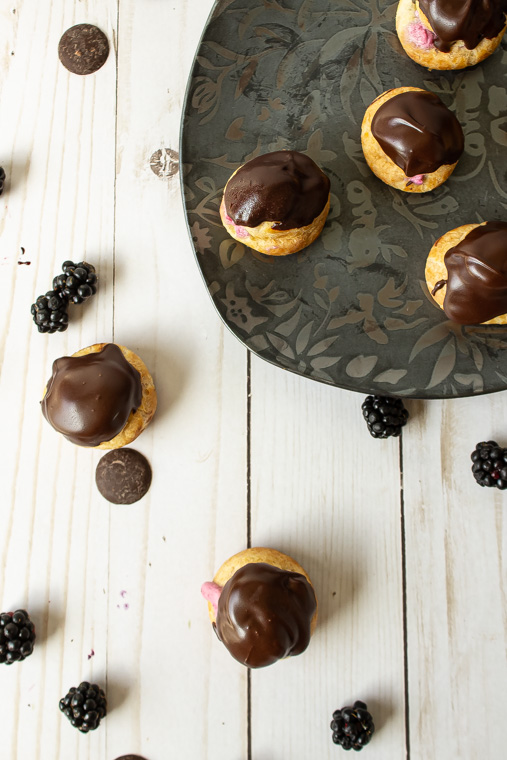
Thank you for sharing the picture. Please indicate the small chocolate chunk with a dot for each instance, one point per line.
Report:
(83, 49)
(123, 476)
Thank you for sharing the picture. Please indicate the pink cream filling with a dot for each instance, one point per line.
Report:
(240, 231)
(420, 36)
(417, 179)
(211, 592)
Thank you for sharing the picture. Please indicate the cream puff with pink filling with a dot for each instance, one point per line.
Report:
(450, 34)
(262, 606)
(276, 203)
(411, 140)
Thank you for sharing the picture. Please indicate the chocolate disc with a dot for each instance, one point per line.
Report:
(83, 49)
(130, 757)
(123, 476)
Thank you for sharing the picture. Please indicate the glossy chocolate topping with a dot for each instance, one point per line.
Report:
(467, 20)
(264, 614)
(89, 398)
(477, 275)
(418, 132)
(285, 187)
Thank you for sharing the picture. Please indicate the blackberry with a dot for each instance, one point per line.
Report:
(490, 465)
(77, 283)
(384, 416)
(2, 180)
(84, 706)
(17, 634)
(352, 727)
(49, 313)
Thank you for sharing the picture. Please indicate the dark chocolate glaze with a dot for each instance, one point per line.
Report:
(285, 187)
(89, 398)
(264, 614)
(418, 132)
(477, 275)
(467, 20)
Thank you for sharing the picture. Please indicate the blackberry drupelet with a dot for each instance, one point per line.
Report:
(84, 706)
(490, 465)
(2, 180)
(17, 634)
(384, 416)
(352, 727)
(49, 313)
(77, 283)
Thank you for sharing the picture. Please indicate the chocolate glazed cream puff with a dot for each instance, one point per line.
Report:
(450, 34)
(466, 273)
(276, 203)
(102, 396)
(262, 606)
(411, 140)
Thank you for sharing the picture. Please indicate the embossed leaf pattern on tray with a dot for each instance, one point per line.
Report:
(353, 309)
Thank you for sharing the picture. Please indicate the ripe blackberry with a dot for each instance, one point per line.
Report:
(2, 180)
(490, 465)
(49, 313)
(352, 727)
(384, 416)
(77, 283)
(84, 706)
(17, 634)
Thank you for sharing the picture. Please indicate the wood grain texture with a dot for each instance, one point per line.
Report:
(456, 576)
(408, 564)
(122, 583)
(316, 497)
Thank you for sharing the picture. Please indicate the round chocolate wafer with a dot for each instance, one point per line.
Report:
(83, 49)
(123, 476)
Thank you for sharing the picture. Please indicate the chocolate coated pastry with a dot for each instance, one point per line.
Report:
(467, 20)
(264, 614)
(101, 396)
(262, 606)
(276, 203)
(450, 34)
(466, 273)
(284, 187)
(418, 132)
(410, 139)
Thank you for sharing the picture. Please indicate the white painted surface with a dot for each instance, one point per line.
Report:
(77, 151)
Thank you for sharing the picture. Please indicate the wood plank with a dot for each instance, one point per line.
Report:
(58, 151)
(328, 494)
(456, 616)
(181, 689)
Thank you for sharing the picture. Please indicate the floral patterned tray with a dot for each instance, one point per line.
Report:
(351, 310)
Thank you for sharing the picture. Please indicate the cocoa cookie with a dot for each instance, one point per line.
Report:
(83, 49)
(123, 476)
(130, 757)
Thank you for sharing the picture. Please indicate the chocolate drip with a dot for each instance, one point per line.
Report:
(418, 132)
(264, 614)
(89, 398)
(285, 187)
(438, 286)
(477, 275)
(467, 20)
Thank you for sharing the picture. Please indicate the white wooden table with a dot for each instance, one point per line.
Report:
(406, 553)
